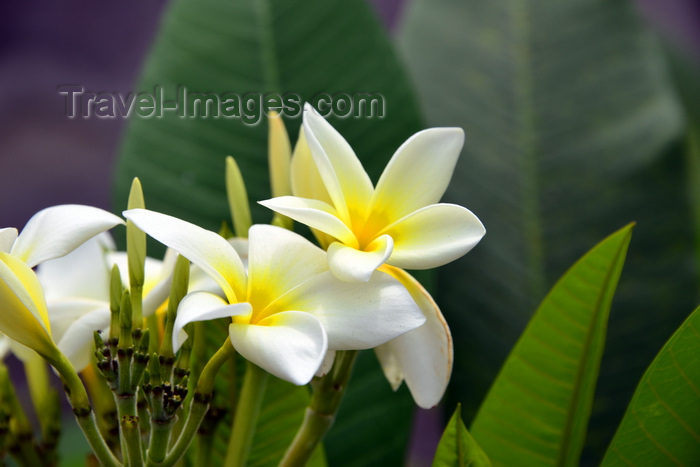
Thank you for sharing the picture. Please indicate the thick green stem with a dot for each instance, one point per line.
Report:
(160, 438)
(83, 411)
(131, 434)
(247, 412)
(198, 407)
(327, 394)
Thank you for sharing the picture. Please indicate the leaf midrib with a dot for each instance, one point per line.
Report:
(583, 368)
(525, 137)
(271, 75)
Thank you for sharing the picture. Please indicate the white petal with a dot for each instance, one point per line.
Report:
(78, 343)
(306, 181)
(423, 356)
(419, 172)
(356, 315)
(208, 250)
(24, 317)
(352, 265)
(241, 245)
(279, 261)
(327, 364)
(316, 214)
(433, 236)
(290, 345)
(390, 365)
(58, 230)
(84, 272)
(63, 312)
(156, 296)
(7, 239)
(202, 306)
(343, 175)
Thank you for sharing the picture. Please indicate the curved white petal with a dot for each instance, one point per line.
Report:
(306, 181)
(155, 269)
(202, 306)
(290, 345)
(422, 356)
(24, 316)
(352, 265)
(343, 175)
(241, 245)
(390, 365)
(316, 214)
(327, 364)
(419, 172)
(84, 272)
(63, 312)
(77, 343)
(58, 230)
(356, 315)
(208, 250)
(8, 236)
(279, 261)
(156, 296)
(433, 236)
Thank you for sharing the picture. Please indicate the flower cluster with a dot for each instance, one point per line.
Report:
(293, 307)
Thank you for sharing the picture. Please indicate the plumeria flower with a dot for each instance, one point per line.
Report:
(397, 222)
(287, 309)
(50, 233)
(77, 292)
(400, 221)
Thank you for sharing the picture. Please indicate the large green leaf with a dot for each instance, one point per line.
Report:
(572, 129)
(457, 448)
(256, 46)
(372, 417)
(265, 46)
(537, 410)
(662, 423)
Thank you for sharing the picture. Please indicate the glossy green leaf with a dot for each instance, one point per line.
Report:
(572, 129)
(457, 448)
(537, 410)
(254, 48)
(264, 46)
(662, 423)
(281, 413)
(369, 427)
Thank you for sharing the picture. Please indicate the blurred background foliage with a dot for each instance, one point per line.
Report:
(578, 120)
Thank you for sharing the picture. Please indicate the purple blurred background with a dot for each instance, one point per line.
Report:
(47, 158)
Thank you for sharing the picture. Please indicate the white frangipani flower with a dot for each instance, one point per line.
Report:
(51, 233)
(399, 222)
(77, 292)
(287, 309)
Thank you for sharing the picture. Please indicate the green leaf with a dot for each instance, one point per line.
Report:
(282, 413)
(457, 447)
(254, 47)
(537, 410)
(264, 46)
(370, 426)
(662, 423)
(572, 129)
